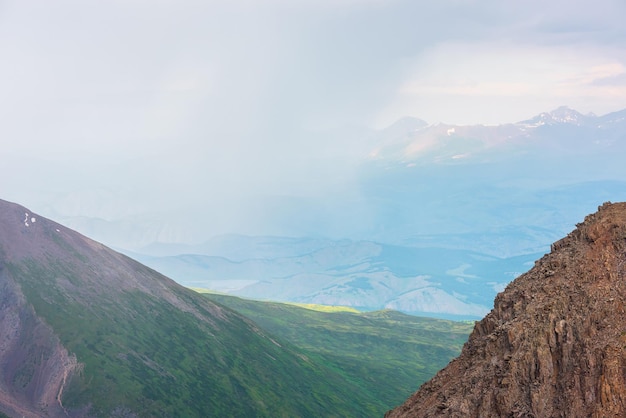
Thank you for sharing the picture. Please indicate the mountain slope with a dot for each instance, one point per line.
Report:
(555, 342)
(385, 351)
(87, 331)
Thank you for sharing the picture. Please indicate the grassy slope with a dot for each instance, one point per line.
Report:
(144, 355)
(384, 352)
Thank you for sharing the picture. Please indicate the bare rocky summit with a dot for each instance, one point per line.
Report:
(555, 343)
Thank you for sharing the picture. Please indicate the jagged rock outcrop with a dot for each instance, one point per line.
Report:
(555, 343)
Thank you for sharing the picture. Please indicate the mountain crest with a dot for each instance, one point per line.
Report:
(561, 115)
(555, 342)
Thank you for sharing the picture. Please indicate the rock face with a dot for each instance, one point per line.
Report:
(555, 343)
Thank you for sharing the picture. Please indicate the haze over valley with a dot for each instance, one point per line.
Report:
(379, 132)
(303, 209)
(439, 219)
(435, 220)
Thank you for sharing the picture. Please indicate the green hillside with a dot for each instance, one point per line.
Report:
(384, 352)
(144, 355)
(88, 332)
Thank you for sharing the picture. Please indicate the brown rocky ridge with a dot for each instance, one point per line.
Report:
(554, 344)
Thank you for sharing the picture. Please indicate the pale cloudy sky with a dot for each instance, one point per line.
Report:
(187, 97)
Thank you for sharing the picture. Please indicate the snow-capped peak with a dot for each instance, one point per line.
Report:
(558, 116)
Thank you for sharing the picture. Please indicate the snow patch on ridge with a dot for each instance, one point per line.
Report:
(28, 220)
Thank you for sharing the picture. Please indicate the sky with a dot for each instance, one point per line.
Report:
(111, 107)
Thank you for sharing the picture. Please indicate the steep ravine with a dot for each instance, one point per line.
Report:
(35, 367)
(555, 343)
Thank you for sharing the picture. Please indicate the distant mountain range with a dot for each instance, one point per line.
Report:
(563, 130)
(565, 115)
(366, 275)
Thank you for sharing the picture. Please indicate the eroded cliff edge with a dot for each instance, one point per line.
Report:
(555, 343)
(34, 366)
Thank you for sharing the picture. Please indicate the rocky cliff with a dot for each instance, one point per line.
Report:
(555, 343)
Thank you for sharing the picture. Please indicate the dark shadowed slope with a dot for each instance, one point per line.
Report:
(555, 343)
(386, 352)
(87, 331)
